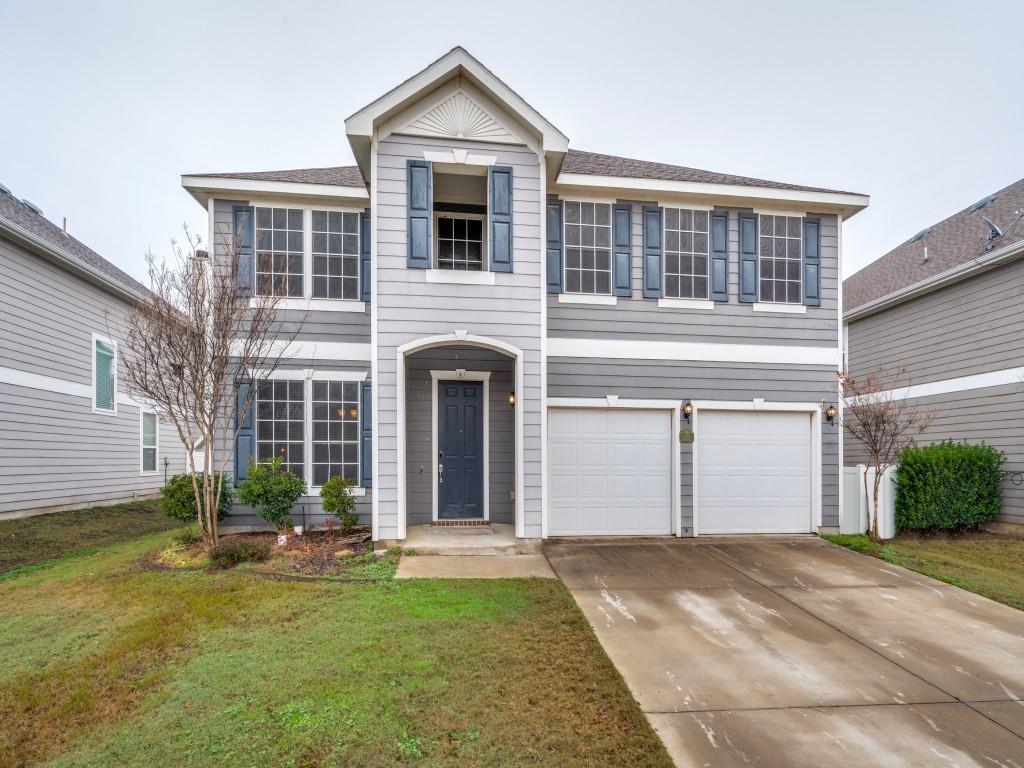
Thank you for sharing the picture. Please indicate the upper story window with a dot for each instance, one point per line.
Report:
(335, 255)
(779, 264)
(150, 442)
(279, 251)
(686, 254)
(460, 241)
(588, 247)
(104, 375)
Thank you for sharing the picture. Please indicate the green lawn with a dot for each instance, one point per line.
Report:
(111, 662)
(35, 539)
(985, 563)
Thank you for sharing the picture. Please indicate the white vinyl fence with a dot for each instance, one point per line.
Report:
(856, 504)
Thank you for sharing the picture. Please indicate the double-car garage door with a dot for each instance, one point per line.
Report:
(610, 472)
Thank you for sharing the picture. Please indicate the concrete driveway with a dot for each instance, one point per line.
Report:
(795, 652)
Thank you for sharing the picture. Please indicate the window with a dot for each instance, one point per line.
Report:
(779, 264)
(460, 242)
(150, 441)
(588, 247)
(686, 254)
(279, 251)
(335, 255)
(280, 423)
(335, 430)
(104, 375)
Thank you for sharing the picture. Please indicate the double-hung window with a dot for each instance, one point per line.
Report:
(150, 439)
(280, 424)
(335, 430)
(335, 255)
(461, 242)
(588, 247)
(104, 375)
(686, 253)
(279, 252)
(780, 258)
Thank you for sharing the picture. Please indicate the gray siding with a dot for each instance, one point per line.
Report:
(658, 380)
(731, 321)
(57, 453)
(409, 308)
(419, 430)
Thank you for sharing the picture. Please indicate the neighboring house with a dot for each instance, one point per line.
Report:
(502, 328)
(946, 306)
(72, 437)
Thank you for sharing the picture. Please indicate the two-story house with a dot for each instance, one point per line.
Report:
(501, 328)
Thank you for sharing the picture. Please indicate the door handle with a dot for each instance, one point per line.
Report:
(440, 474)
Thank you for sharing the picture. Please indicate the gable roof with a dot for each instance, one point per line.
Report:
(341, 176)
(955, 242)
(31, 229)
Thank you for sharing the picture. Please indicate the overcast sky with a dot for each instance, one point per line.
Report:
(105, 105)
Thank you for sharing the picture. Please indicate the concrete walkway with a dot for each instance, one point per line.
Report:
(474, 567)
(795, 652)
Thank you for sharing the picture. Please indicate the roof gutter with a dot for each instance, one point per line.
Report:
(933, 283)
(33, 242)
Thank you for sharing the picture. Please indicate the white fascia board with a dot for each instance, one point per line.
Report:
(846, 203)
(201, 187)
(629, 349)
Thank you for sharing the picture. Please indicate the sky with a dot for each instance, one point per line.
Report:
(105, 105)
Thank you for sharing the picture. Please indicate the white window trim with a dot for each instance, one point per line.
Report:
(461, 375)
(700, 304)
(92, 351)
(485, 254)
(611, 256)
(664, 264)
(143, 412)
(459, 277)
(307, 301)
(781, 307)
(773, 306)
(587, 298)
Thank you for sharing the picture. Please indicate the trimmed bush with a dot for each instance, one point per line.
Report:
(232, 552)
(948, 486)
(179, 500)
(337, 498)
(272, 490)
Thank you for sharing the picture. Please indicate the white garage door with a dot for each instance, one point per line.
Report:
(609, 472)
(753, 472)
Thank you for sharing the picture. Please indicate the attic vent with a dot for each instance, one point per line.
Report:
(920, 235)
(32, 205)
(984, 202)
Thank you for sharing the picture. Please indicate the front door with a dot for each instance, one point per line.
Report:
(460, 452)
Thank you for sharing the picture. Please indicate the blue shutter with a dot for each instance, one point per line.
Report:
(652, 252)
(243, 227)
(718, 268)
(420, 209)
(365, 435)
(554, 244)
(364, 255)
(622, 230)
(499, 217)
(748, 257)
(812, 262)
(245, 440)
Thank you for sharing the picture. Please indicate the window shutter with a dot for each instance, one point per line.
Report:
(244, 224)
(718, 269)
(419, 209)
(812, 262)
(365, 435)
(652, 252)
(622, 226)
(748, 257)
(245, 440)
(554, 244)
(499, 217)
(364, 255)
(104, 384)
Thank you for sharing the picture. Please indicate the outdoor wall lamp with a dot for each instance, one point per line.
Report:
(512, 399)
(830, 413)
(687, 411)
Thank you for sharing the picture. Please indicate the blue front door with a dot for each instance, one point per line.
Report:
(460, 449)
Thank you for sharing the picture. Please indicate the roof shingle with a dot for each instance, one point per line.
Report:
(342, 176)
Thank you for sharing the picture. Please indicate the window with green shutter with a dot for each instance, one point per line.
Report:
(104, 376)
(149, 442)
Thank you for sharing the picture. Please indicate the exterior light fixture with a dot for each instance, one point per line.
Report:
(512, 399)
(687, 411)
(830, 413)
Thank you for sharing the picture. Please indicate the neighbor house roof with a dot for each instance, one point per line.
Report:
(952, 243)
(25, 224)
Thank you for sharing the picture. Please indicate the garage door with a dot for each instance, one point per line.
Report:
(609, 472)
(753, 472)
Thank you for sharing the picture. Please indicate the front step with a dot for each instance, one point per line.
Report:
(495, 540)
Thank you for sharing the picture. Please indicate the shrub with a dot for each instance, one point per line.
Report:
(179, 500)
(272, 491)
(948, 486)
(337, 498)
(232, 552)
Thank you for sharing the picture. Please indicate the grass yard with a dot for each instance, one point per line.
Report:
(985, 563)
(45, 537)
(108, 661)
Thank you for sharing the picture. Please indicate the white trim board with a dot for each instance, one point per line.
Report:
(780, 307)
(958, 384)
(453, 277)
(29, 380)
(483, 377)
(314, 305)
(588, 298)
(202, 187)
(629, 349)
(319, 350)
(300, 374)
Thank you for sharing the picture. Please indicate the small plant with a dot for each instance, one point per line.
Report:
(179, 499)
(272, 490)
(337, 498)
(232, 552)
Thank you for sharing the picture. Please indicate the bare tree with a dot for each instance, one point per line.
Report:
(877, 416)
(191, 344)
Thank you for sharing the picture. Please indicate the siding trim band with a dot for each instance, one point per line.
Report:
(628, 349)
(29, 380)
(958, 384)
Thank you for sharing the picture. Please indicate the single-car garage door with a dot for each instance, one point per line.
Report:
(753, 472)
(609, 472)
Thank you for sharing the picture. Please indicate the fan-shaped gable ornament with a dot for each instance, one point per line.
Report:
(459, 117)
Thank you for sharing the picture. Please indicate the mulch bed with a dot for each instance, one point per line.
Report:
(315, 553)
